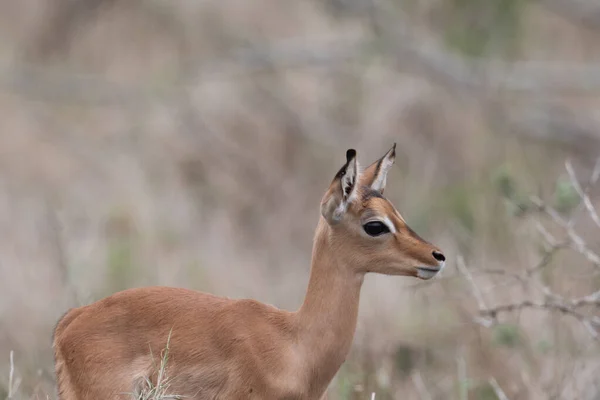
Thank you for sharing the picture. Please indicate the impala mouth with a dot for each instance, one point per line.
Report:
(428, 272)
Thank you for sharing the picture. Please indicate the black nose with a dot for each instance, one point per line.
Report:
(438, 256)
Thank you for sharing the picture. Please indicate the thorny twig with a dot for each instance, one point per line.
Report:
(590, 183)
(524, 276)
(488, 315)
(576, 241)
(420, 386)
(583, 193)
(549, 305)
(590, 323)
(551, 301)
(497, 389)
(460, 264)
(462, 268)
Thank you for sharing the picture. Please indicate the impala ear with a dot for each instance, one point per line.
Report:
(375, 175)
(342, 190)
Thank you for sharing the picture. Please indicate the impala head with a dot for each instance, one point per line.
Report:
(368, 230)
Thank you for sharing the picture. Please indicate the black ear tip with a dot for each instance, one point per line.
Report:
(350, 154)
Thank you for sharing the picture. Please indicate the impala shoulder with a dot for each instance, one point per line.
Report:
(253, 311)
(268, 338)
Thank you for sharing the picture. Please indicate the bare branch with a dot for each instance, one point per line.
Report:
(420, 386)
(544, 261)
(546, 258)
(463, 270)
(577, 242)
(550, 305)
(590, 299)
(503, 272)
(497, 389)
(584, 197)
(589, 323)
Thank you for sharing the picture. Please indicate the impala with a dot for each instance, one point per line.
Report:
(231, 349)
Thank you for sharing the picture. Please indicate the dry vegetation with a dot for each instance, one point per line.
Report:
(188, 143)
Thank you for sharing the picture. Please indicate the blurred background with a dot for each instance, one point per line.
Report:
(188, 143)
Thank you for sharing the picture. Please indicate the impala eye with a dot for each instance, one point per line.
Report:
(375, 228)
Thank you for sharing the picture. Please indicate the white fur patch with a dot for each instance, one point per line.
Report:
(349, 182)
(429, 272)
(426, 274)
(389, 224)
(387, 162)
(349, 179)
(339, 212)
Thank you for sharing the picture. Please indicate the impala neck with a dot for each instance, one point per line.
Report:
(327, 318)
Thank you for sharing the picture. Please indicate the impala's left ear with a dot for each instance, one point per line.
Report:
(375, 174)
(342, 191)
(348, 176)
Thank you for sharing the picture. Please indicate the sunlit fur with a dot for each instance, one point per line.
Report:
(231, 349)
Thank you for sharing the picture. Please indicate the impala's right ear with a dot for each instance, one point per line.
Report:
(342, 191)
(375, 175)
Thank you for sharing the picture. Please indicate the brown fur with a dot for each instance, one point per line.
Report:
(222, 348)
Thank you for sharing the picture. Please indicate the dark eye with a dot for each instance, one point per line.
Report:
(375, 228)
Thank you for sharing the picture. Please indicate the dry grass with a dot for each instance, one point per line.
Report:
(148, 390)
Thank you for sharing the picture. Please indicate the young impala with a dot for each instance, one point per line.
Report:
(222, 348)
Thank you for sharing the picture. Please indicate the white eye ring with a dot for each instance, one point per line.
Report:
(389, 224)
